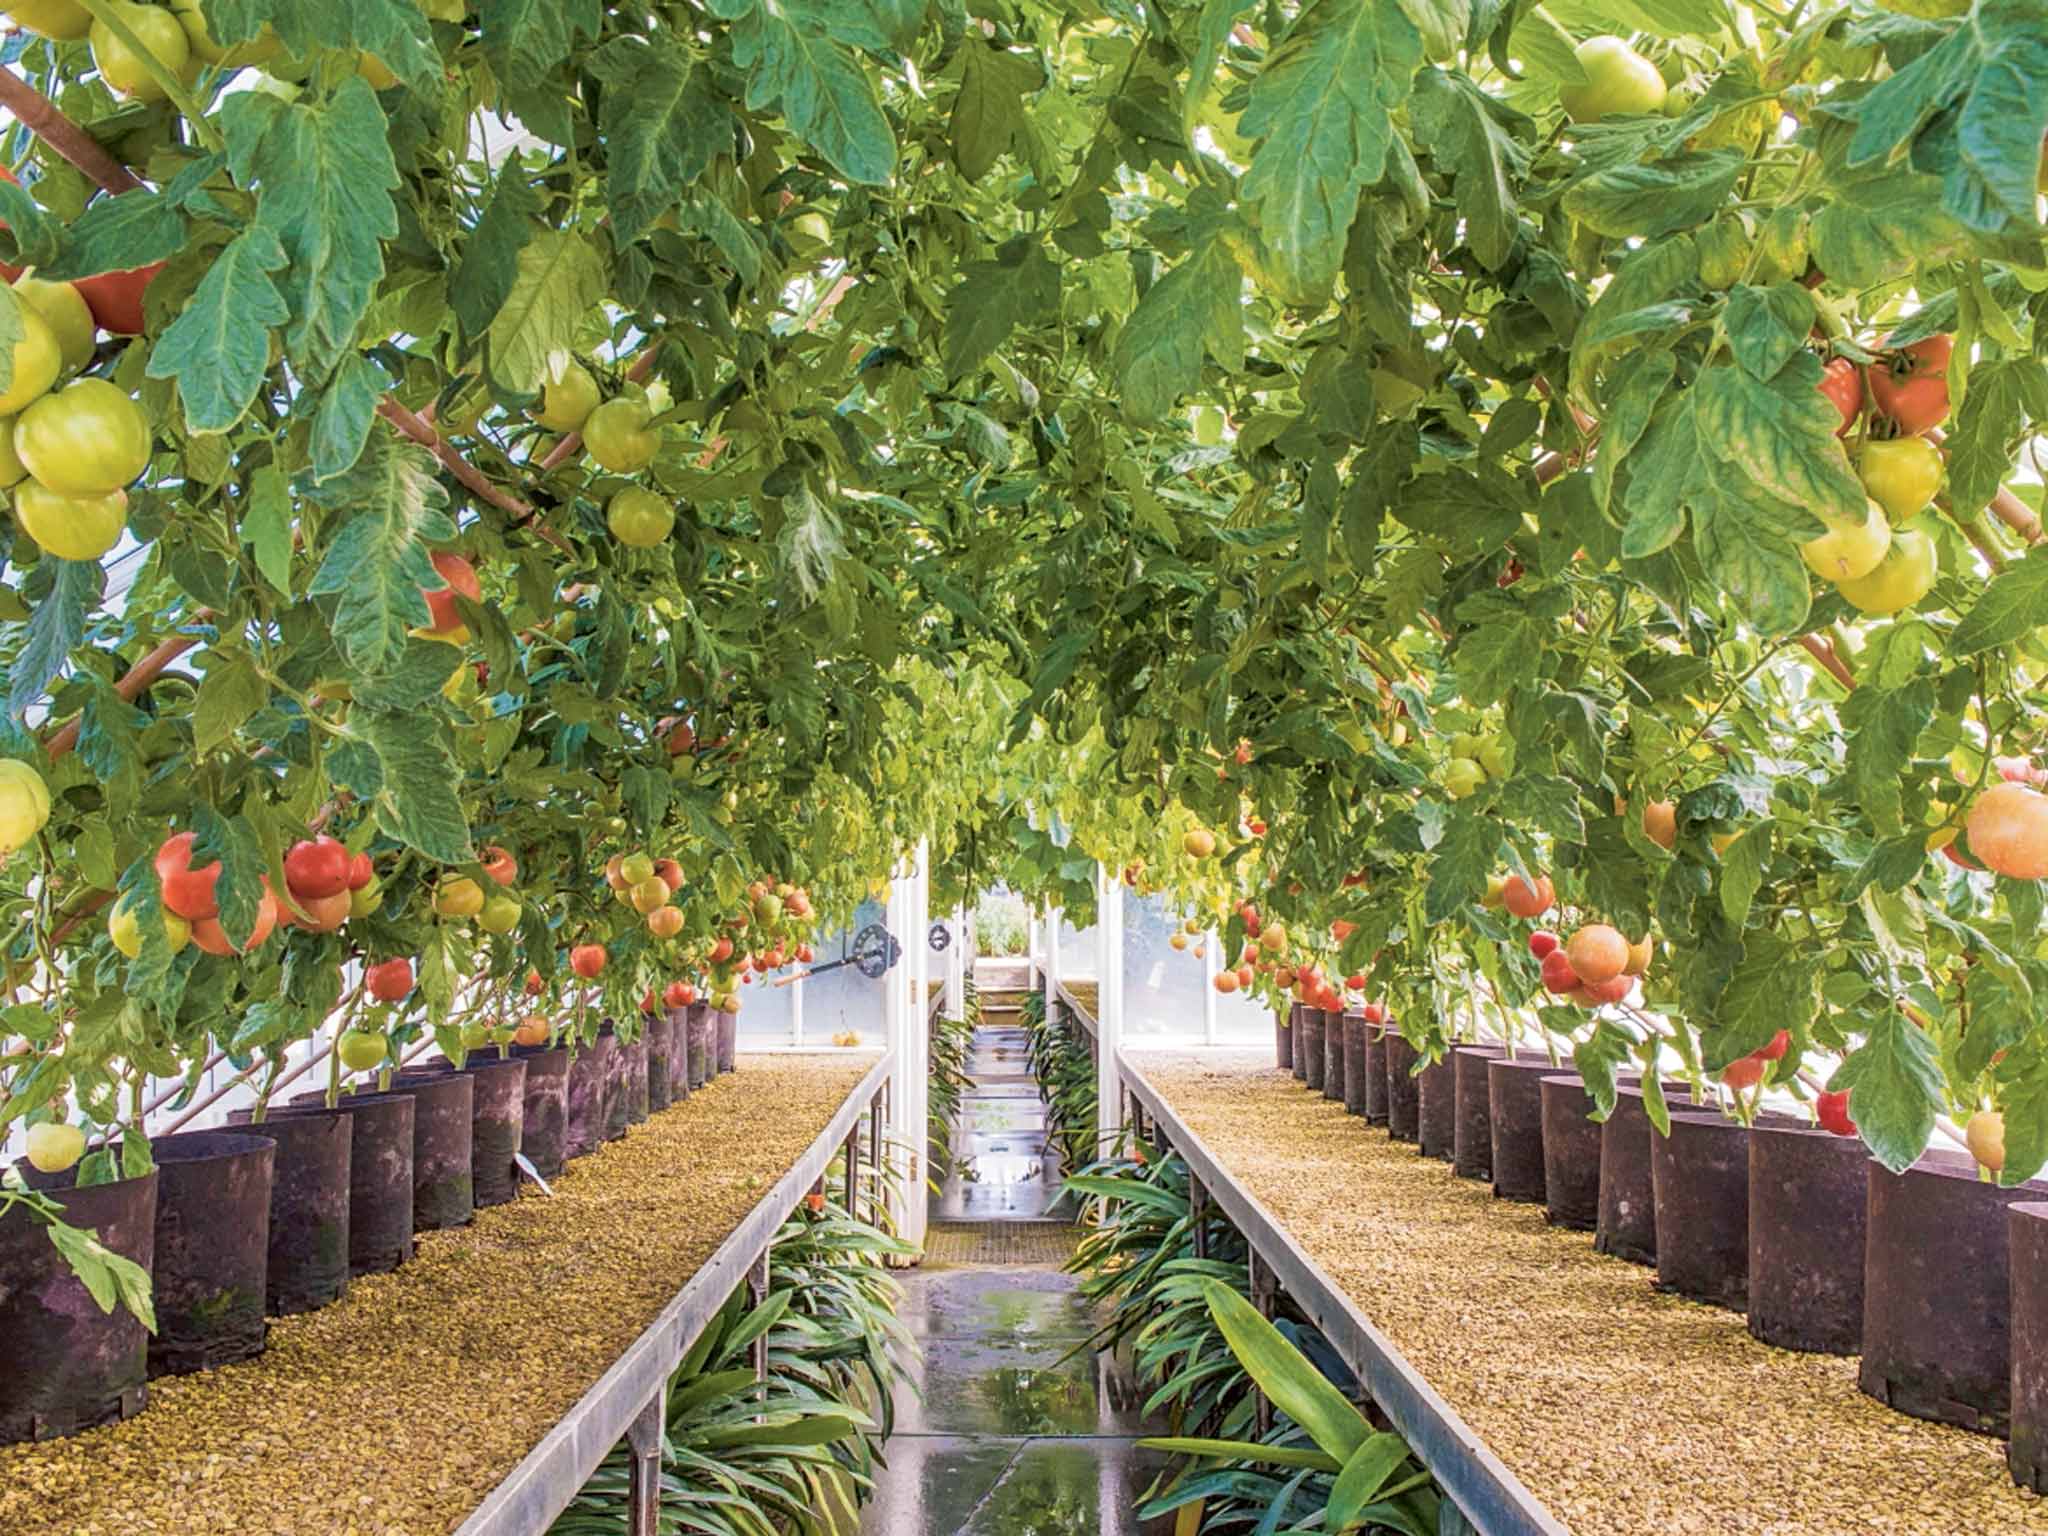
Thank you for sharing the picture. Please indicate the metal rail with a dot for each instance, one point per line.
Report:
(629, 1401)
(1491, 1497)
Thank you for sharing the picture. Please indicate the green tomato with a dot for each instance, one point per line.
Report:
(84, 440)
(1463, 777)
(1207, 424)
(64, 20)
(38, 359)
(1618, 79)
(567, 401)
(1497, 756)
(1901, 474)
(70, 527)
(54, 1146)
(640, 518)
(24, 804)
(122, 67)
(1848, 550)
(367, 899)
(1901, 579)
(12, 470)
(617, 434)
(361, 1049)
(261, 49)
(125, 929)
(500, 915)
(64, 307)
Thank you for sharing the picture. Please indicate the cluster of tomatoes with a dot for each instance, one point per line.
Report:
(68, 450)
(1881, 564)
(620, 435)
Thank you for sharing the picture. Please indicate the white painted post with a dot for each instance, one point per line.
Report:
(1212, 947)
(955, 1004)
(1109, 1007)
(917, 1070)
(1052, 958)
(905, 1185)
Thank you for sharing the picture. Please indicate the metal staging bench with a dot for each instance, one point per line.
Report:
(629, 1401)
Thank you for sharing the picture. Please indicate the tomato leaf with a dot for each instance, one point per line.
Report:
(533, 335)
(1320, 108)
(989, 106)
(376, 564)
(823, 92)
(218, 349)
(1650, 200)
(483, 280)
(1474, 136)
(663, 123)
(1468, 852)
(419, 801)
(2009, 609)
(1894, 1084)
(1767, 326)
(994, 298)
(1193, 309)
(1884, 725)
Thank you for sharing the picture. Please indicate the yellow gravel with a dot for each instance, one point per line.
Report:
(393, 1412)
(1627, 1412)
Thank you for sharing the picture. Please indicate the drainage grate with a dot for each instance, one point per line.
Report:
(1000, 1242)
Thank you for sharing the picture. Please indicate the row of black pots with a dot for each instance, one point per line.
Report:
(265, 1219)
(1938, 1279)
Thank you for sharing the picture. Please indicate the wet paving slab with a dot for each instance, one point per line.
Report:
(1010, 1425)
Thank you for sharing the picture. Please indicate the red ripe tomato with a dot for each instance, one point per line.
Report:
(721, 952)
(1780, 1043)
(676, 995)
(534, 985)
(187, 891)
(1832, 1110)
(1744, 1072)
(1558, 975)
(389, 981)
(1374, 1013)
(316, 869)
(1842, 383)
(669, 873)
(648, 1001)
(1612, 990)
(1355, 981)
(1244, 975)
(1911, 386)
(772, 961)
(805, 954)
(324, 914)
(1542, 942)
(587, 961)
(500, 865)
(360, 871)
(115, 298)
(461, 577)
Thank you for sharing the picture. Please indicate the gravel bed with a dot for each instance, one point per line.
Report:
(1627, 1412)
(394, 1411)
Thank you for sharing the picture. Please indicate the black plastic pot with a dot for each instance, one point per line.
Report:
(306, 1264)
(1571, 1154)
(64, 1364)
(1355, 1029)
(1333, 1053)
(443, 1148)
(659, 1032)
(1297, 1051)
(1626, 1226)
(544, 1123)
(1472, 1129)
(616, 1107)
(1699, 1182)
(1283, 1041)
(383, 1175)
(1376, 1074)
(1309, 1048)
(703, 1030)
(589, 1068)
(2027, 1454)
(1809, 1198)
(211, 1250)
(1436, 1108)
(497, 1123)
(633, 1070)
(1937, 1293)
(728, 1042)
(1514, 1112)
(1404, 1109)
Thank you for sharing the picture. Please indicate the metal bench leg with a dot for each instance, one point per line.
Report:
(643, 1478)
